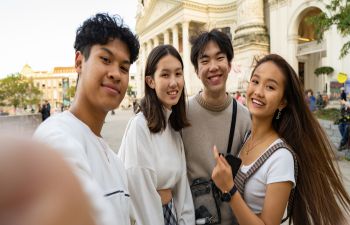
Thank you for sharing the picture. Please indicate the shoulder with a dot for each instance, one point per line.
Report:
(138, 123)
(62, 134)
(59, 123)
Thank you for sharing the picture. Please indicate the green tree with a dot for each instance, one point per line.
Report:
(71, 92)
(18, 91)
(338, 14)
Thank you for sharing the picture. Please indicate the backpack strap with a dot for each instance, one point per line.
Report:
(241, 178)
(233, 125)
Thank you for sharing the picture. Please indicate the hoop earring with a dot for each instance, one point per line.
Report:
(278, 114)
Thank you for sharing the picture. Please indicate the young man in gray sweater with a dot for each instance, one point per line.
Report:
(210, 111)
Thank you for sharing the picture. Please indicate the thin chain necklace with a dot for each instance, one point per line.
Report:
(252, 146)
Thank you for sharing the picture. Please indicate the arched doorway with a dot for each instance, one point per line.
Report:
(306, 53)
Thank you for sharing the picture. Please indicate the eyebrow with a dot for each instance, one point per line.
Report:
(269, 80)
(111, 53)
(168, 70)
(201, 56)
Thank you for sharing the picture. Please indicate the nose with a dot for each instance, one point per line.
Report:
(213, 65)
(259, 90)
(114, 74)
(173, 82)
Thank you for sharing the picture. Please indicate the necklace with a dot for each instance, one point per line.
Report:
(253, 145)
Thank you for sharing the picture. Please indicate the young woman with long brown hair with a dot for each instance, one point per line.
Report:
(288, 142)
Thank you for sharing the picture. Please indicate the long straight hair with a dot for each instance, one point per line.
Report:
(151, 106)
(319, 187)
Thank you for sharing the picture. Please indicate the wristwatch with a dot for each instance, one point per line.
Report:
(227, 195)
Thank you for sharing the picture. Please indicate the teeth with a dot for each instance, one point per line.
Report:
(172, 92)
(257, 102)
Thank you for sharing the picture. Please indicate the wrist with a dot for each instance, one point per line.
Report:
(227, 195)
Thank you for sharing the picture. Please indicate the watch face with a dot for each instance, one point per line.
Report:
(226, 197)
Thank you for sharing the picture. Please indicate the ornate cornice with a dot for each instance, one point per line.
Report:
(274, 3)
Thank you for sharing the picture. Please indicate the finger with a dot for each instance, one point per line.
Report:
(216, 153)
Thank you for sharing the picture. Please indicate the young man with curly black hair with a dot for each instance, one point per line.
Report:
(105, 49)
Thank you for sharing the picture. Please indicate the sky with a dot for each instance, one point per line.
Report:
(41, 33)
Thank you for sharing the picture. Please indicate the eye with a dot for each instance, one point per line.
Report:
(220, 58)
(105, 60)
(124, 69)
(270, 87)
(254, 81)
(204, 61)
(179, 74)
(164, 75)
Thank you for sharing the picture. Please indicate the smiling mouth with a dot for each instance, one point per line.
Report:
(172, 93)
(111, 88)
(257, 102)
(214, 77)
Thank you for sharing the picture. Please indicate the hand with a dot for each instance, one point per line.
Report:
(165, 196)
(38, 187)
(222, 172)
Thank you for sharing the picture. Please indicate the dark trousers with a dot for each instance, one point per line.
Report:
(344, 131)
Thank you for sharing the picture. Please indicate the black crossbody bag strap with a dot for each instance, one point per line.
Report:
(233, 125)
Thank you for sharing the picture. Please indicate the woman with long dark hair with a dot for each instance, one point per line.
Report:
(152, 148)
(287, 157)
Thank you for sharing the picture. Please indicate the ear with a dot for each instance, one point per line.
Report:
(78, 61)
(150, 82)
(283, 104)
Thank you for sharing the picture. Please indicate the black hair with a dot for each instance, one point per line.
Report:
(151, 106)
(200, 42)
(102, 28)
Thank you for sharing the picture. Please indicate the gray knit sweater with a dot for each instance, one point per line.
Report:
(211, 126)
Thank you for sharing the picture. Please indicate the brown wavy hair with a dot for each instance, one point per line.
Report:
(151, 106)
(320, 196)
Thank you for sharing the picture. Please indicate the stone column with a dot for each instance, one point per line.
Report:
(155, 41)
(149, 47)
(175, 37)
(251, 38)
(141, 70)
(186, 55)
(166, 37)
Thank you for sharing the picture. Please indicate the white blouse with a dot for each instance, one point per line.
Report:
(155, 161)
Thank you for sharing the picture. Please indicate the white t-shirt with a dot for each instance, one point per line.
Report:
(279, 167)
(155, 161)
(100, 171)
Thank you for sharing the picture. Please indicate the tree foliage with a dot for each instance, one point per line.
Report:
(338, 14)
(71, 92)
(324, 70)
(18, 91)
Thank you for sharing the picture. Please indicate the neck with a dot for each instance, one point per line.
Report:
(261, 127)
(93, 119)
(215, 99)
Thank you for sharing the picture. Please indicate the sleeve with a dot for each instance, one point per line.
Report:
(73, 152)
(136, 153)
(281, 167)
(183, 197)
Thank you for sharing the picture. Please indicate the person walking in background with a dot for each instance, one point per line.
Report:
(287, 157)
(211, 111)
(343, 94)
(152, 148)
(312, 100)
(104, 51)
(45, 110)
